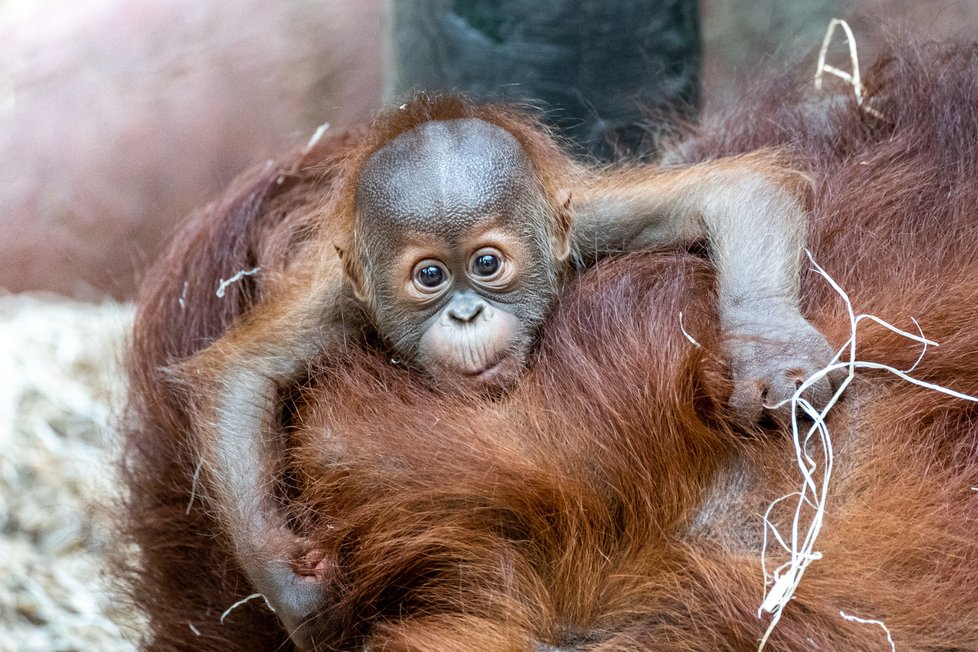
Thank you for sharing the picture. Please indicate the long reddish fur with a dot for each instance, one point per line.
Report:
(606, 504)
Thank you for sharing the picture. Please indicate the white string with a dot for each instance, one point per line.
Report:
(784, 580)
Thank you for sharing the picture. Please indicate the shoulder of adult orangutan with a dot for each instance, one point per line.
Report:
(219, 262)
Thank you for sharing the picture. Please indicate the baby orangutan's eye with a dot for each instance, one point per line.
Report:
(430, 276)
(485, 265)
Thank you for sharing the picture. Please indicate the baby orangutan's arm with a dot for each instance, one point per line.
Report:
(748, 211)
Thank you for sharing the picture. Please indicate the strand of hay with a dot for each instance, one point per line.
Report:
(244, 600)
(316, 137)
(781, 583)
(682, 329)
(223, 285)
(853, 79)
(870, 621)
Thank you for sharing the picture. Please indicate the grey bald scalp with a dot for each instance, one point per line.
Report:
(443, 177)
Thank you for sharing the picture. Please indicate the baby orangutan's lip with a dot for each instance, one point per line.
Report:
(486, 373)
(498, 375)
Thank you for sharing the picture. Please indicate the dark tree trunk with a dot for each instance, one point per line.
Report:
(598, 67)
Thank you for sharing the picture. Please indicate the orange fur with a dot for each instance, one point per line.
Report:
(607, 504)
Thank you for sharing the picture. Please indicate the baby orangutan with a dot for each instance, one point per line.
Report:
(447, 236)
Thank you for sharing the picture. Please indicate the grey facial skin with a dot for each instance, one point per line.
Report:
(444, 183)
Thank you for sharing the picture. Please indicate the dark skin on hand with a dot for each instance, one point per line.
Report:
(450, 232)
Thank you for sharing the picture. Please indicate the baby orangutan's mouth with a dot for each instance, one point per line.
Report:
(498, 375)
(486, 373)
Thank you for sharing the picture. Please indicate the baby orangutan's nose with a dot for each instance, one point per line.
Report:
(465, 308)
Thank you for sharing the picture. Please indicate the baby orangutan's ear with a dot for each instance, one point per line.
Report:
(353, 274)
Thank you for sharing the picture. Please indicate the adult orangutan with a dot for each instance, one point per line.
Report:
(447, 237)
(604, 501)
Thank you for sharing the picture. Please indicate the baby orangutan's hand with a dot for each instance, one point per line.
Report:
(772, 351)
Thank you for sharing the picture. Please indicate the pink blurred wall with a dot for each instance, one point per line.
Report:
(117, 117)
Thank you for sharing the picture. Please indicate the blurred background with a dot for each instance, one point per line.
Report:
(117, 117)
